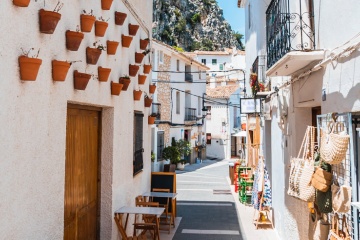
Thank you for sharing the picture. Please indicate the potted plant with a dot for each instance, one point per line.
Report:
(144, 43)
(101, 26)
(184, 148)
(106, 4)
(125, 80)
(21, 3)
(141, 79)
(139, 57)
(152, 88)
(147, 68)
(147, 100)
(73, 39)
(133, 29)
(172, 153)
(126, 40)
(103, 74)
(59, 70)
(49, 19)
(29, 65)
(120, 18)
(81, 80)
(133, 69)
(93, 54)
(116, 88)
(137, 95)
(111, 47)
(151, 120)
(87, 21)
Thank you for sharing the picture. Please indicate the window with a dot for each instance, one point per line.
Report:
(178, 65)
(199, 106)
(208, 138)
(208, 113)
(214, 61)
(138, 143)
(177, 102)
(203, 61)
(221, 66)
(161, 56)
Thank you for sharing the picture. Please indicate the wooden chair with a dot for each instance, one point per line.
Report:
(119, 224)
(150, 221)
(164, 202)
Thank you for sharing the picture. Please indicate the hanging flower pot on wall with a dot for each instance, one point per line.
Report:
(141, 79)
(144, 43)
(137, 95)
(147, 101)
(81, 80)
(125, 81)
(111, 47)
(151, 120)
(106, 4)
(147, 68)
(116, 88)
(152, 88)
(48, 21)
(133, 29)
(29, 68)
(21, 3)
(73, 40)
(139, 57)
(59, 70)
(120, 18)
(133, 69)
(100, 28)
(103, 74)
(92, 55)
(126, 40)
(87, 22)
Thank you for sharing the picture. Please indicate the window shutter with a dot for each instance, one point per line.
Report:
(138, 163)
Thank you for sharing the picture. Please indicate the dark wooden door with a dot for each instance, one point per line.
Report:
(81, 174)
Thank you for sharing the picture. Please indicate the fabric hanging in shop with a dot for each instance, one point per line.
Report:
(261, 194)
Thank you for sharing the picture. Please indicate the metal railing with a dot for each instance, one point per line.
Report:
(287, 31)
(259, 67)
(156, 110)
(190, 114)
(188, 77)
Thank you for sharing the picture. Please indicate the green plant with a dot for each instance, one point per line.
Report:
(179, 49)
(184, 147)
(126, 76)
(152, 156)
(196, 18)
(172, 153)
(99, 46)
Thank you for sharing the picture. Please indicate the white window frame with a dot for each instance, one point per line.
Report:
(212, 61)
(177, 65)
(177, 102)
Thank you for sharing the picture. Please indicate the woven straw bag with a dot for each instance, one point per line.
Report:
(334, 143)
(341, 198)
(321, 179)
(335, 232)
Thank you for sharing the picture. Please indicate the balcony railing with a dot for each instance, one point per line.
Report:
(188, 77)
(258, 67)
(156, 110)
(190, 114)
(287, 31)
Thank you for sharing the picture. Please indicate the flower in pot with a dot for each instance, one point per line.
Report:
(103, 74)
(126, 40)
(73, 39)
(120, 18)
(116, 88)
(49, 19)
(106, 4)
(152, 88)
(87, 21)
(147, 100)
(141, 79)
(29, 65)
(21, 3)
(101, 26)
(139, 57)
(111, 47)
(93, 54)
(144, 43)
(147, 68)
(133, 29)
(137, 95)
(133, 69)
(81, 80)
(125, 80)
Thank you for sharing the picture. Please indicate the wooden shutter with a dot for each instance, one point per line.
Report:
(138, 143)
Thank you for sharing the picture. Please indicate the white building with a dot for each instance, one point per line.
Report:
(311, 73)
(68, 156)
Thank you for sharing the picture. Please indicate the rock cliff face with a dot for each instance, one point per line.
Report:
(192, 25)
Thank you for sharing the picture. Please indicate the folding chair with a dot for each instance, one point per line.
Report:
(150, 221)
(164, 202)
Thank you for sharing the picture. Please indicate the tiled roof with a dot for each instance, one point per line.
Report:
(221, 91)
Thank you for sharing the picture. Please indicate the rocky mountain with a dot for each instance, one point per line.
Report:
(192, 25)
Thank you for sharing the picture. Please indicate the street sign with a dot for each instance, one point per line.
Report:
(250, 105)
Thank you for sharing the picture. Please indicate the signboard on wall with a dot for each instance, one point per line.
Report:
(250, 105)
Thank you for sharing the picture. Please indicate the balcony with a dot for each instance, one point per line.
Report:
(156, 110)
(290, 37)
(190, 114)
(188, 77)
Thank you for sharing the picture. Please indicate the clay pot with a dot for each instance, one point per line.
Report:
(106, 4)
(111, 47)
(143, 44)
(103, 74)
(81, 80)
(48, 21)
(152, 89)
(92, 55)
(116, 88)
(133, 69)
(126, 41)
(147, 68)
(141, 79)
(147, 102)
(59, 70)
(73, 40)
(151, 120)
(100, 28)
(133, 29)
(86, 22)
(125, 82)
(137, 95)
(29, 68)
(120, 18)
(21, 3)
(139, 57)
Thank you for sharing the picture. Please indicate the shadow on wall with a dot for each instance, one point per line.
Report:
(337, 102)
(217, 148)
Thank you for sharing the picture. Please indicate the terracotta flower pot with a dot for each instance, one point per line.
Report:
(151, 120)
(120, 18)
(59, 70)
(21, 3)
(152, 89)
(126, 82)
(116, 88)
(48, 21)
(143, 44)
(103, 74)
(81, 80)
(147, 68)
(126, 41)
(133, 69)
(111, 47)
(73, 40)
(139, 57)
(141, 79)
(29, 68)
(86, 22)
(100, 28)
(133, 29)
(137, 95)
(92, 55)
(147, 102)
(106, 4)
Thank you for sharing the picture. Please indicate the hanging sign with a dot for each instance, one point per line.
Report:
(250, 105)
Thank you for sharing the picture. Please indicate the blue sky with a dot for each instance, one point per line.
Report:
(234, 15)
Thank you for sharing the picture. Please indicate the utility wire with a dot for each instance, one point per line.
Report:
(221, 71)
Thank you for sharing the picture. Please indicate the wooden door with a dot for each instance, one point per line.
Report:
(82, 174)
